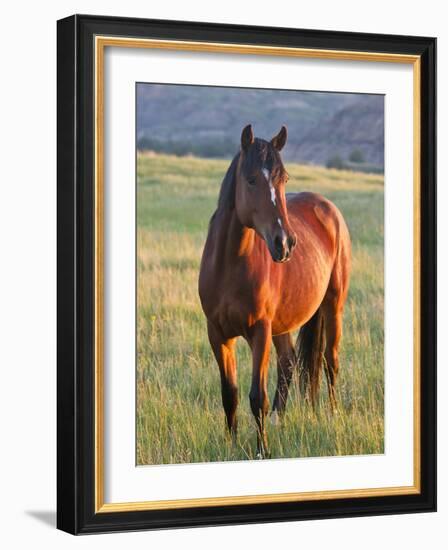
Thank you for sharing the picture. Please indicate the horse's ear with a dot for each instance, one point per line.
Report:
(279, 140)
(247, 137)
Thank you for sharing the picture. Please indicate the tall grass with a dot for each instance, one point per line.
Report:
(179, 411)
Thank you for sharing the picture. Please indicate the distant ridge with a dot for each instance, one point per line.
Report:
(207, 121)
(359, 126)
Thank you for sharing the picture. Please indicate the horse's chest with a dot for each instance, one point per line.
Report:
(237, 306)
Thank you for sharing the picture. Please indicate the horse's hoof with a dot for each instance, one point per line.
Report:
(262, 456)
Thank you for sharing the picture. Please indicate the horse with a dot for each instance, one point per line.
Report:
(273, 263)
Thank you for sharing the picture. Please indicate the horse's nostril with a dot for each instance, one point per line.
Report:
(278, 243)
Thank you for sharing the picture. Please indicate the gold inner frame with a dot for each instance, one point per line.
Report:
(101, 42)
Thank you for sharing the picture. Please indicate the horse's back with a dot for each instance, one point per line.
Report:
(298, 202)
(321, 213)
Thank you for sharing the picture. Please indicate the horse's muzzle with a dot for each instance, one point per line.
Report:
(281, 247)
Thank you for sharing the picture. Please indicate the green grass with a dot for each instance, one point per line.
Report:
(179, 411)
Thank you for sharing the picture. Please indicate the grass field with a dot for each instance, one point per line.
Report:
(179, 411)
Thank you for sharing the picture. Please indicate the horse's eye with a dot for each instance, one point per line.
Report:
(252, 180)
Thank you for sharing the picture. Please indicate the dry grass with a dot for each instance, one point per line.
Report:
(179, 411)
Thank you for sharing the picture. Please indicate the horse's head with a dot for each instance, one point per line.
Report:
(260, 192)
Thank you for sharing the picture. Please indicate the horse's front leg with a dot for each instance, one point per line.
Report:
(286, 363)
(260, 342)
(224, 350)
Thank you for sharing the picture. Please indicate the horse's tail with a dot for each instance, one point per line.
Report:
(310, 348)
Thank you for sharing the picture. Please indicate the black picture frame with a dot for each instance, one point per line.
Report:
(76, 271)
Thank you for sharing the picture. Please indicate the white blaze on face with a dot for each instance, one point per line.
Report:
(267, 175)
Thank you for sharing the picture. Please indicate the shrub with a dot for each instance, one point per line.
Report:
(356, 156)
(335, 162)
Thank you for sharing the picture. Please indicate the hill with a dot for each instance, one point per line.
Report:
(355, 127)
(207, 121)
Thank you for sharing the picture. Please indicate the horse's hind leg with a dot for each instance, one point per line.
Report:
(332, 307)
(224, 351)
(333, 332)
(286, 363)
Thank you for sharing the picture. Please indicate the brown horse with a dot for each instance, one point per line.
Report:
(271, 264)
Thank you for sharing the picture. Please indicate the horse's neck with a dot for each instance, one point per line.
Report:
(234, 240)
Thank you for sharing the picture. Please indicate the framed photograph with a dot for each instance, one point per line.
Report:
(246, 274)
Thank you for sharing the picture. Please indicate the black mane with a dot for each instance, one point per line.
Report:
(226, 199)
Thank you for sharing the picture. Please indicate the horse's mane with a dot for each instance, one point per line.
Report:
(226, 199)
